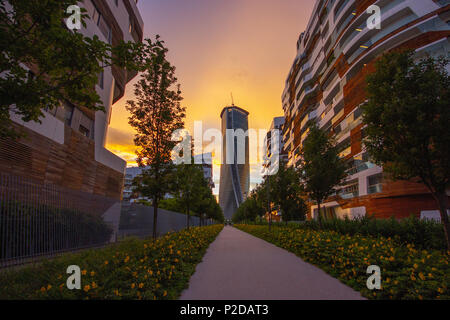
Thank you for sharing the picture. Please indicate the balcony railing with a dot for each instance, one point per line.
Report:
(360, 168)
(376, 188)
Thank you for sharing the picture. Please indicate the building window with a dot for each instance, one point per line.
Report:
(68, 113)
(117, 3)
(351, 190)
(101, 79)
(374, 184)
(84, 131)
(99, 20)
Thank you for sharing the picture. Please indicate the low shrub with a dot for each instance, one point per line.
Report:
(406, 271)
(424, 234)
(131, 269)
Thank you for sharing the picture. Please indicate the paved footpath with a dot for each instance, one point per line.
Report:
(239, 266)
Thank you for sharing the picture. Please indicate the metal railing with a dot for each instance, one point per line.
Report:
(38, 219)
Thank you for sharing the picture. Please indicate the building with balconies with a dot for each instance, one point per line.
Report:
(274, 146)
(68, 147)
(326, 85)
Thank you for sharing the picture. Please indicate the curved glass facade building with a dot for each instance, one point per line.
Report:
(235, 168)
(327, 84)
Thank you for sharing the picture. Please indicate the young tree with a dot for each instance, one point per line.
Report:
(209, 207)
(189, 188)
(43, 63)
(321, 169)
(286, 193)
(407, 118)
(249, 210)
(156, 115)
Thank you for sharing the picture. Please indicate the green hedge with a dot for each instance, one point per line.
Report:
(406, 272)
(132, 269)
(424, 234)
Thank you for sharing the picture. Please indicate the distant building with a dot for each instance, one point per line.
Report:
(132, 172)
(207, 165)
(234, 175)
(271, 153)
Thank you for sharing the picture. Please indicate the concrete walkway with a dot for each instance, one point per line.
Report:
(238, 266)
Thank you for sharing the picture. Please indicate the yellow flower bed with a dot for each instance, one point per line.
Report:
(132, 269)
(406, 272)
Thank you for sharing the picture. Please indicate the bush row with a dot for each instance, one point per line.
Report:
(132, 269)
(406, 272)
(424, 234)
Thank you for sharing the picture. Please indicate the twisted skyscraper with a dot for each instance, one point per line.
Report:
(235, 169)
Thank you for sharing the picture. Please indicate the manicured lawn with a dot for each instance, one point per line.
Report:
(132, 269)
(406, 272)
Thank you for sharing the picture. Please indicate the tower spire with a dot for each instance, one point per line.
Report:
(232, 99)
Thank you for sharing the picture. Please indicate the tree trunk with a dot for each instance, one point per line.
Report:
(442, 200)
(155, 216)
(188, 217)
(319, 217)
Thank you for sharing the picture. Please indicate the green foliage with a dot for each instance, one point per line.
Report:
(286, 193)
(132, 270)
(406, 272)
(407, 117)
(249, 210)
(192, 193)
(321, 169)
(189, 187)
(156, 115)
(424, 234)
(282, 189)
(65, 63)
(172, 204)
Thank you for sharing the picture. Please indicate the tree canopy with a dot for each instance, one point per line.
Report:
(321, 168)
(281, 190)
(43, 62)
(155, 114)
(407, 117)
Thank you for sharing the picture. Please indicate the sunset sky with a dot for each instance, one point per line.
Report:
(221, 46)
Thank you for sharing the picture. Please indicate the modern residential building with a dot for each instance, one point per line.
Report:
(273, 157)
(68, 148)
(235, 168)
(326, 84)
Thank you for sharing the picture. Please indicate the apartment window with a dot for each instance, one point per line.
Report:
(84, 131)
(101, 79)
(374, 184)
(51, 111)
(351, 190)
(117, 2)
(99, 20)
(68, 113)
(95, 15)
(105, 29)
